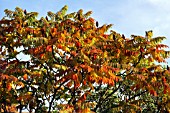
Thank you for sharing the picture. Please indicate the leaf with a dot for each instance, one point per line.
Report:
(65, 48)
(85, 56)
(92, 42)
(86, 110)
(94, 74)
(60, 67)
(105, 55)
(9, 86)
(157, 40)
(49, 48)
(25, 77)
(89, 69)
(20, 84)
(86, 67)
(153, 92)
(88, 14)
(73, 60)
(64, 10)
(91, 86)
(149, 34)
(161, 46)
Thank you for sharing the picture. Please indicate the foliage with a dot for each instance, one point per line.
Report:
(75, 65)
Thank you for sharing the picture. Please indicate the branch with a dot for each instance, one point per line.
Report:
(54, 95)
(72, 100)
(113, 91)
(137, 94)
(4, 96)
(103, 99)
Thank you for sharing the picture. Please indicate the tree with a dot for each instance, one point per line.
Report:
(75, 65)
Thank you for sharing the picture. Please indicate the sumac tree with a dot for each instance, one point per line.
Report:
(75, 65)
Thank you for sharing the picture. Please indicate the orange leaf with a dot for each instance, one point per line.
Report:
(89, 69)
(73, 53)
(111, 82)
(82, 66)
(75, 77)
(20, 84)
(105, 80)
(86, 110)
(25, 77)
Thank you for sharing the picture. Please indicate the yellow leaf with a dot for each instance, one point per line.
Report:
(62, 35)
(93, 41)
(29, 93)
(28, 36)
(105, 54)
(60, 66)
(94, 74)
(63, 67)
(154, 79)
(66, 49)
(9, 35)
(85, 57)
(149, 34)
(45, 40)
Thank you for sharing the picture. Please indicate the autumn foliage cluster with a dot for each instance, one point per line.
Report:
(75, 65)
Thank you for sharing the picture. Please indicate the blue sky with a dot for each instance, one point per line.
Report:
(128, 16)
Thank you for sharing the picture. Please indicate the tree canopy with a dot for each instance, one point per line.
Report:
(76, 65)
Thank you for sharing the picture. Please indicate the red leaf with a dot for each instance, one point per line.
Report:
(78, 44)
(165, 90)
(77, 84)
(84, 82)
(49, 48)
(153, 92)
(59, 46)
(74, 77)
(69, 84)
(163, 80)
(84, 97)
(141, 49)
(42, 56)
(9, 87)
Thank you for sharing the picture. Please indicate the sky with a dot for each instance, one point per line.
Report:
(127, 16)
